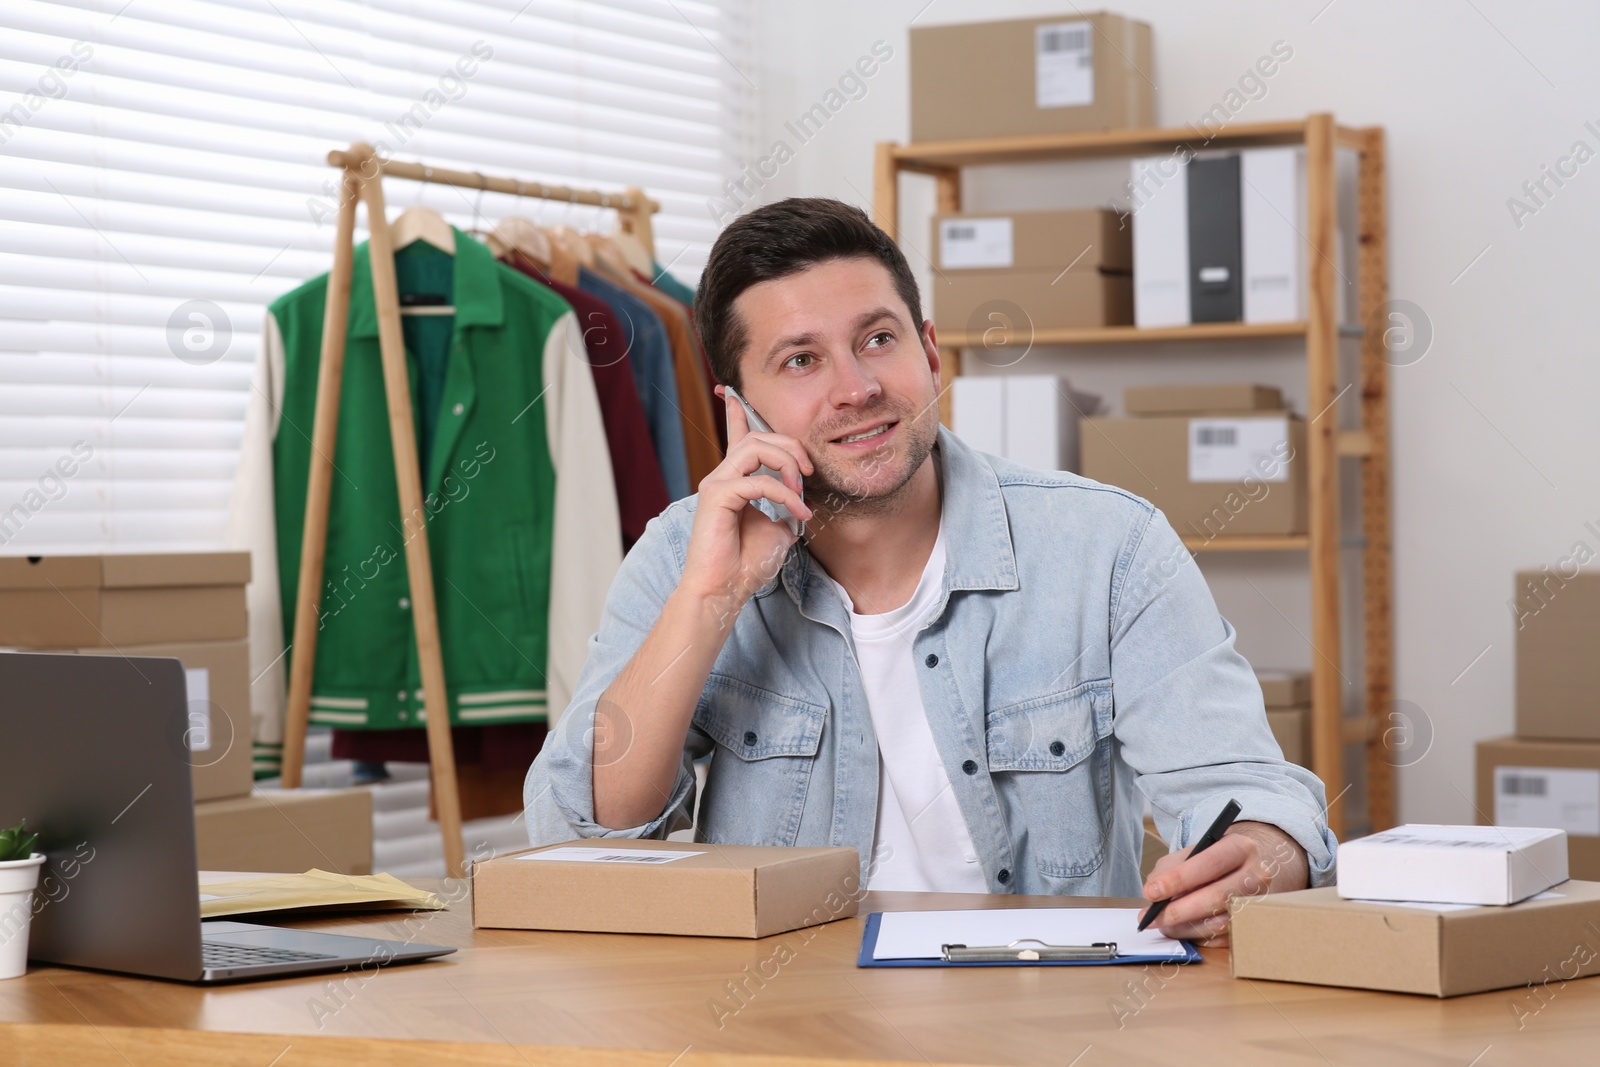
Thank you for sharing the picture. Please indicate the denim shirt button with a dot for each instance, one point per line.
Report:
(1057, 748)
(749, 737)
(1003, 877)
(932, 660)
(969, 767)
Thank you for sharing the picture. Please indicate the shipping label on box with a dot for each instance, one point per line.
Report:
(1231, 450)
(971, 243)
(1559, 797)
(1063, 64)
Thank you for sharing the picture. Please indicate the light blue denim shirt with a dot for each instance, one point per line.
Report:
(1076, 664)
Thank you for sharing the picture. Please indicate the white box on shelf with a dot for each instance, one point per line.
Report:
(1030, 419)
(1159, 202)
(1474, 865)
(1273, 212)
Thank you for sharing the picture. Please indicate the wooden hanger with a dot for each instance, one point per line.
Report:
(633, 251)
(519, 234)
(611, 259)
(423, 224)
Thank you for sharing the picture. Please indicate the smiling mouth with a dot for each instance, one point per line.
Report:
(865, 435)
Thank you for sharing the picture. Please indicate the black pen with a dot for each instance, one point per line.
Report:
(1212, 836)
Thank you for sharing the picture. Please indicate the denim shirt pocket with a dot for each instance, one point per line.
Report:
(1050, 759)
(761, 767)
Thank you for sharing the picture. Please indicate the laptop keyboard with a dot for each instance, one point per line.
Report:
(219, 955)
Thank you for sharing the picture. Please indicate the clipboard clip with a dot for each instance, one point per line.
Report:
(1019, 952)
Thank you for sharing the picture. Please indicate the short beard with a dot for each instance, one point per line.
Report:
(832, 501)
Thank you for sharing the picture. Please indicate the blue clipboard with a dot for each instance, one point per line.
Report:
(869, 941)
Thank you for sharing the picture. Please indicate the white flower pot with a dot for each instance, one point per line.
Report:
(17, 880)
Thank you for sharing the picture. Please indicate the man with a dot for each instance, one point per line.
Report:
(971, 671)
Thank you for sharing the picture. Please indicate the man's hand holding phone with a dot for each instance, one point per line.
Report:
(735, 549)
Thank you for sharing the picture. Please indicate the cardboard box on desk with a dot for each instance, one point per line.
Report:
(666, 887)
(1064, 74)
(1558, 674)
(1010, 270)
(287, 831)
(1441, 950)
(1211, 477)
(54, 602)
(1545, 783)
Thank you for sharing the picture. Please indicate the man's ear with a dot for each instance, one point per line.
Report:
(930, 345)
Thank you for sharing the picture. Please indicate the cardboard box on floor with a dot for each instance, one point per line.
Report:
(1258, 463)
(1042, 270)
(1064, 74)
(287, 831)
(1545, 783)
(219, 736)
(1313, 936)
(1558, 674)
(651, 887)
(52, 602)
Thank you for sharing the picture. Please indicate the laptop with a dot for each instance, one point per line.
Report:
(97, 760)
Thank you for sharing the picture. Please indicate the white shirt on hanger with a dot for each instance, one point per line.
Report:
(922, 841)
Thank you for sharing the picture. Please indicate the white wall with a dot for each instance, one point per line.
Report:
(1495, 439)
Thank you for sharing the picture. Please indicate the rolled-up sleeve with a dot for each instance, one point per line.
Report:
(1188, 709)
(558, 795)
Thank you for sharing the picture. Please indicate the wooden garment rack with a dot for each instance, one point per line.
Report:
(362, 180)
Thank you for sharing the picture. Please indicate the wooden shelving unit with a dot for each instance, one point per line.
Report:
(1327, 444)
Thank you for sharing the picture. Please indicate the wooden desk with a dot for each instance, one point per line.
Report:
(559, 998)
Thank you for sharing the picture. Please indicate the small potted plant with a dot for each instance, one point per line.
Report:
(19, 873)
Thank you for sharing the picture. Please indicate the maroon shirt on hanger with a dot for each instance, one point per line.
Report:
(641, 490)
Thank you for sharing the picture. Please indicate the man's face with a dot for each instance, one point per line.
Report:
(832, 355)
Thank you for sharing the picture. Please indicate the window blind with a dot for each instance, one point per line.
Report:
(163, 178)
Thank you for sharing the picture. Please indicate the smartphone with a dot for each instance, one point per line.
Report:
(770, 508)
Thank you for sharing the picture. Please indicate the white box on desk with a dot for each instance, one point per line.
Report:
(1453, 864)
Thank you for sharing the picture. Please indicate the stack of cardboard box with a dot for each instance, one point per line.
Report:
(1288, 698)
(1218, 460)
(191, 607)
(1003, 276)
(1549, 773)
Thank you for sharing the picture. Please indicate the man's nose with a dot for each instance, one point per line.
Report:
(853, 384)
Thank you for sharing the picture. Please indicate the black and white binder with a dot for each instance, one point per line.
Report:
(1216, 292)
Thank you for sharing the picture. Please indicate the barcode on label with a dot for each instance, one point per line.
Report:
(960, 233)
(1524, 785)
(1216, 435)
(636, 859)
(1064, 39)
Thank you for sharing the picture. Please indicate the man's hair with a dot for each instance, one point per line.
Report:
(774, 242)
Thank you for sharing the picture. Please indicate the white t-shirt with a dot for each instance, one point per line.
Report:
(929, 847)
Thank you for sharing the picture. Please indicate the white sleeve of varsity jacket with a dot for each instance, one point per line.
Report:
(252, 526)
(586, 544)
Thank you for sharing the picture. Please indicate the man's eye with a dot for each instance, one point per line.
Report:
(790, 362)
(880, 339)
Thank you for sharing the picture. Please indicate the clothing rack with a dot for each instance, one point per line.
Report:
(362, 180)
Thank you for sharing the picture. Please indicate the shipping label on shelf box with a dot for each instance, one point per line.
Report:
(973, 243)
(1561, 798)
(1063, 64)
(1231, 450)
